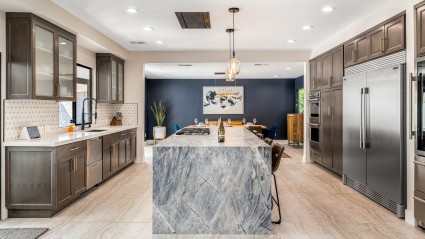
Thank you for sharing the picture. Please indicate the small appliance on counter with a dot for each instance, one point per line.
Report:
(117, 119)
(29, 132)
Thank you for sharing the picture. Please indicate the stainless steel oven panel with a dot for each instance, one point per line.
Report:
(419, 173)
(94, 174)
(314, 131)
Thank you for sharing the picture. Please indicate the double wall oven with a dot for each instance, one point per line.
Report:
(314, 125)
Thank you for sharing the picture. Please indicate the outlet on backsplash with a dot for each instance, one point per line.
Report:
(45, 115)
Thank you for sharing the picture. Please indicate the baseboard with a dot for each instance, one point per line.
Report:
(409, 217)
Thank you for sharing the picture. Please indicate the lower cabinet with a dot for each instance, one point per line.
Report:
(41, 181)
(119, 150)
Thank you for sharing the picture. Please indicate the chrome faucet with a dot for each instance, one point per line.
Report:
(82, 115)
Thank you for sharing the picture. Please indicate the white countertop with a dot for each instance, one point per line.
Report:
(67, 138)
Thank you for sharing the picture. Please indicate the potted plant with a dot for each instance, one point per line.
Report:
(158, 110)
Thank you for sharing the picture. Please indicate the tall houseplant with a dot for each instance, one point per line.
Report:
(158, 110)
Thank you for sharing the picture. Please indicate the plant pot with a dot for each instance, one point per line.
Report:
(159, 132)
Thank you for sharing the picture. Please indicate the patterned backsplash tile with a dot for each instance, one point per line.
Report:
(45, 115)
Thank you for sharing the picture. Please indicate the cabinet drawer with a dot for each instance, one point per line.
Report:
(315, 155)
(74, 149)
(419, 206)
(131, 133)
(419, 173)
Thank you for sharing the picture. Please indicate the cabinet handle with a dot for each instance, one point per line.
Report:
(420, 200)
(352, 56)
(412, 79)
(383, 44)
(76, 163)
(75, 148)
(58, 88)
(420, 163)
(122, 134)
(330, 80)
(329, 111)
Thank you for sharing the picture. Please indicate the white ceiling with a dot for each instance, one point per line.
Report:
(249, 70)
(261, 25)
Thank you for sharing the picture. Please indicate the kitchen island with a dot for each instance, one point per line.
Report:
(201, 186)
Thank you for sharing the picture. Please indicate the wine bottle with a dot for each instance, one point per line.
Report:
(221, 132)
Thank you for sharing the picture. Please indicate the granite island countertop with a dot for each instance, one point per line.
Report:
(201, 186)
(67, 138)
(235, 137)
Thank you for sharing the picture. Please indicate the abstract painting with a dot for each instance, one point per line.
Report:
(223, 100)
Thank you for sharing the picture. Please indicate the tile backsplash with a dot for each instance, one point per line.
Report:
(45, 115)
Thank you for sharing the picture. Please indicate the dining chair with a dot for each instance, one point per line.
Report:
(270, 132)
(277, 152)
(176, 127)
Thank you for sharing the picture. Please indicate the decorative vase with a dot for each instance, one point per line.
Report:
(159, 132)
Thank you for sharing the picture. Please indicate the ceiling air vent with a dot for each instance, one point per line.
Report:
(138, 43)
(184, 65)
(219, 73)
(194, 20)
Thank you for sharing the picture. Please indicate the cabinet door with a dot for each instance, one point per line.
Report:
(127, 150)
(326, 128)
(337, 65)
(122, 151)
(79, 175)
(106, 162)
(103, 79)
(114, 157)
(349, 54)
(362, 49)
(114, 81)
(420, 30)
(377, 42)
(337, 129)
(326, 70)
(45, 86)
(66, 68)
(312, 74)
(64, 181)
(120, 82)
(395, 35)
(133, 145)
(318, 77)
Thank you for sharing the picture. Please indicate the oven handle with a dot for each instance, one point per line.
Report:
(315, 99)
(314, 125)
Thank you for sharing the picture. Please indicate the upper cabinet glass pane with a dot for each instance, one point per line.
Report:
(44, 58)
(114, 80)
(66, 67)
(120, 82)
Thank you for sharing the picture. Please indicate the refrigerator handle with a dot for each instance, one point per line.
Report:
(361, 118)
(411, 131)
(365, 116)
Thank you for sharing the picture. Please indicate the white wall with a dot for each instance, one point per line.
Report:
(377, 16)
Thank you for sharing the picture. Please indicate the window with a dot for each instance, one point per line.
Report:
(69, 110)
(300, 101)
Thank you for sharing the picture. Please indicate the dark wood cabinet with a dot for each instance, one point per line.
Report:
(312, 75)
(109, 78)
(395, 35)
(119, 150)
(41, 59)
(361, 52)
(327, 69)
(318, 75)
(331, 129)
(376, 44)
(337, 65)
(420, 29)
(349, 53)
(53, 178)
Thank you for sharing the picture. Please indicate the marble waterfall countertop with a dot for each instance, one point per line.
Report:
(66, 138)
(201, 186)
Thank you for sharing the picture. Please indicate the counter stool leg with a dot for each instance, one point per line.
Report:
(276, 201)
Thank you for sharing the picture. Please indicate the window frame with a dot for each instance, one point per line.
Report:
(89, 91)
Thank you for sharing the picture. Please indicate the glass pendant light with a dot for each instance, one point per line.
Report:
(234, 63)
(230, 75)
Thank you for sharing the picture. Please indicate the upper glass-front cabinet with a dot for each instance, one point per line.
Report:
(40, 58)
(109, 78)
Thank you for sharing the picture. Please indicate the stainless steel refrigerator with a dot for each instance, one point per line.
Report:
(373, 132)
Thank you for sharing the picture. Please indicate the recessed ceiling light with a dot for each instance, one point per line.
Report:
(167, 76)
(328, 9)
(159, 42)
(148, 29)
(63, 43)
(288, 68)
(132, 10)
(292, 41)
(275, 76)
(307, 27)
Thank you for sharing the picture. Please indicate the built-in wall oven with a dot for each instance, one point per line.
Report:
(314, 135)
(314, 102)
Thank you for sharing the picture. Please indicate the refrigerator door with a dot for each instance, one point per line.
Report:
(384, 131)
(420, 130)
(354, 156)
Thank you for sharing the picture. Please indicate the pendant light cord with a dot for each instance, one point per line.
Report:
(234, 34)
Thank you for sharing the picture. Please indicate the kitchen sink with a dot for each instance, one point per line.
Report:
(96, 130)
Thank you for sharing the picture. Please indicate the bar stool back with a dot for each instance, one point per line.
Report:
(277, 152)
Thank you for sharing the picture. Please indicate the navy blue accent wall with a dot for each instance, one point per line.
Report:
(268, 100)
(299, 83)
